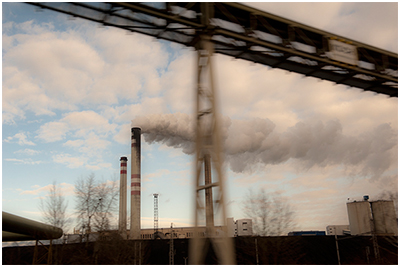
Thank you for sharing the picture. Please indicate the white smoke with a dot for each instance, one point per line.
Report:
(173, 130)
(249, 143)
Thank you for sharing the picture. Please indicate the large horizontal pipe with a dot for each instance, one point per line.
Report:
(16, 228)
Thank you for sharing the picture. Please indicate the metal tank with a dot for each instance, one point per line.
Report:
(384, 215)
(359, 218)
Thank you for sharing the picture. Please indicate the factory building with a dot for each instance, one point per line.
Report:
(372, 217)
(368, 218)
(242, 227)
(337, 230)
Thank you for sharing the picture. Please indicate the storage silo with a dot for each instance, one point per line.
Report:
(359, 218)
(384, 217)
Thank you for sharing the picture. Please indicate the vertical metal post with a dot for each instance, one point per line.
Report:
(35, 253)
(337, 247)
(134, 253)
(171, 248)
(208, 146)
(50, 253)
(209, 196)
(155, 214)
(256, 251)
(140, 252)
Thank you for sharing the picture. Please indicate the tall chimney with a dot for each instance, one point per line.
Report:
(122, 198)
(134, 232)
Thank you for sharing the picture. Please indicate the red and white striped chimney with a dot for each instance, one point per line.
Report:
(134, 232)
(123, 198)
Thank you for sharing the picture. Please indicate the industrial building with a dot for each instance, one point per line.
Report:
(337, 230)
(242, 227)
(368, 218)
(372, 217)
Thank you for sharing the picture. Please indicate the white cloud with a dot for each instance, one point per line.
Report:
(99, 166)
(15, 160)
(21, 139)
(53, 131)
(84, 122)
(65, 190)
(37, 190)
(160, 173)
(83, 66)
(70, 161)
(27, 151)
(79, 124)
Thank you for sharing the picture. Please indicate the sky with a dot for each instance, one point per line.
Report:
(71, 89)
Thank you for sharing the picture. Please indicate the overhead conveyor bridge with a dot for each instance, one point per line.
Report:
(247, 33)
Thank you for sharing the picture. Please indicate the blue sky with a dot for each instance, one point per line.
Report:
(71, 89)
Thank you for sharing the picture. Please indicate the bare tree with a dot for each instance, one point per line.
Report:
(95, 203)
(53, 208)
(108, 193)
(272, 215)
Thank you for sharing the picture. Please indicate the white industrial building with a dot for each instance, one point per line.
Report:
(242, 227)
(337, 230)
(372, 217)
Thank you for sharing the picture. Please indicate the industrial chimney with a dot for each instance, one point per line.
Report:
(122, 198)
(134, 232)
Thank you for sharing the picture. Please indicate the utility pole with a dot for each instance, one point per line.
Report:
(337, 246)
(171, 247)
(256, 251)
(155, 215)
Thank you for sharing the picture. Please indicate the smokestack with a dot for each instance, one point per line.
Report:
(134, 232)
(122, 198)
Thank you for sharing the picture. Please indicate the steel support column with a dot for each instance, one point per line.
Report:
(208, 158)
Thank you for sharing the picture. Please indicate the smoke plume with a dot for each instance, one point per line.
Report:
(249, 143)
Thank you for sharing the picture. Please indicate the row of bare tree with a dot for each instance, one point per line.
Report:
(95, 202)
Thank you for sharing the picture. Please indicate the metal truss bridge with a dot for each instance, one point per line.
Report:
(243, 32)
